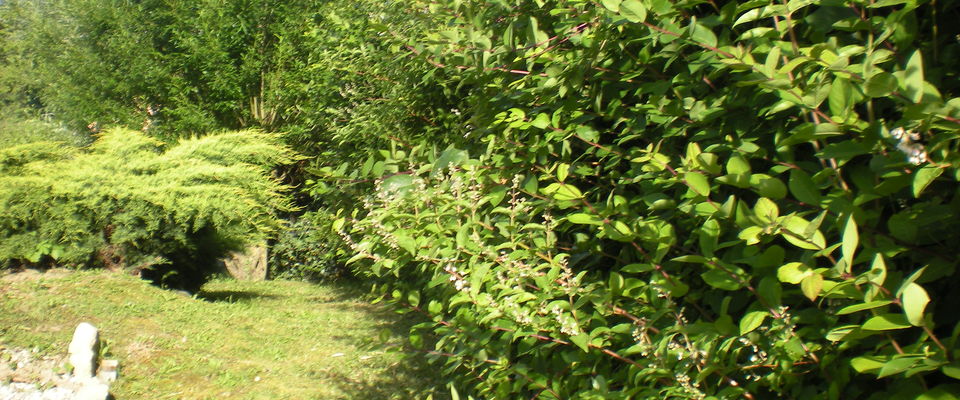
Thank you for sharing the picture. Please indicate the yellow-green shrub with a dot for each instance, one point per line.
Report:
(130, 201)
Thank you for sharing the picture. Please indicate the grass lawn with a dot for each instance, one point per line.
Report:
(234, 340)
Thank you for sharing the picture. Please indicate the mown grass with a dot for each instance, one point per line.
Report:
(234, 340)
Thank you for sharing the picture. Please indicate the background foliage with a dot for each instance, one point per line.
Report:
(304, 251)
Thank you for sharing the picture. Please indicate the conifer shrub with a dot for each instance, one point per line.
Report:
(131, 202)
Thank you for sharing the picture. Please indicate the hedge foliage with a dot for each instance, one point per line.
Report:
(654, 199)
(127, 201)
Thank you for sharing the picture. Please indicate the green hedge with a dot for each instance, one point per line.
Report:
(655, 199)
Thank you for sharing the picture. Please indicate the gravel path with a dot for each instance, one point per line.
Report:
(24, 375)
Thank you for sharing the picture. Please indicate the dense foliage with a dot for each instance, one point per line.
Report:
(661, 199)
(304, 251)
(129, 202)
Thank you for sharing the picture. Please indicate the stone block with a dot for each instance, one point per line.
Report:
(248, 265)
(83, 351)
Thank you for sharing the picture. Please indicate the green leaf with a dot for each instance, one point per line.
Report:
(720, 280)
(637, 268)
(752, 321)
(811, 285)
(413, 298)
(568, 192)
(887, 3)
(691, 259)
(56, 252)
(751, 235)
(793, 272)
(416, 340)
(952, 370)
(585, 219)
(843, 151)
(398, 184)
(451, 157)
(910, 279)
(924, 177)
(737, 165)
(877, 275)
(838, 333)
(337, 225)
(709, 236)
(698, 182)
(582, 341)
(770, 291)
(531, 184)
(851, 239)
(766, 210)
(880, 85)
(914, 300)
(563, 191)
(913, 77)
(497, 193)
(407, 243)
(541, 121)
(841, 97)
(562, 170)
(615, 284)
(454, 395)
(703, 35)
(886, 322)
(633, 10)
(897, 365)
(434, 307)
(867, 364)
(793, 228)
(477, 277)
(612, 5)
(622, 228)
(863, 306)
(768, 186)
(803, 188)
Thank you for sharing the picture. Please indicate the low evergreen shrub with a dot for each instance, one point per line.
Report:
(130, 202)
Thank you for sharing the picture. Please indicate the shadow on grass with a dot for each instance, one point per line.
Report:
(344, 290)
(231, 296)
(410, 378)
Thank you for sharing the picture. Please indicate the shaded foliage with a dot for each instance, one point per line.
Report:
(304, 251)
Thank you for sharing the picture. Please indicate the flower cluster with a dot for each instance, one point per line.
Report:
(907, 144)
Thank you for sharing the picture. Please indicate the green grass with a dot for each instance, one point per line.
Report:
(234, 340)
